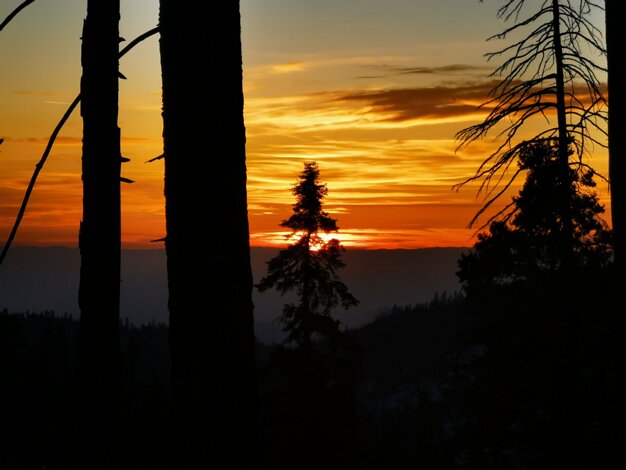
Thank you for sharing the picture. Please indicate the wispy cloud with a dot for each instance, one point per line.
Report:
(389, 70)
(40, 93)
(405, 104)
(387, 154)
(315, 62)
(289, 67)
(372, 108)
(72, 141)
(445, 69)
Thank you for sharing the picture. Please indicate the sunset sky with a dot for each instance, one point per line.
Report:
(373, 90)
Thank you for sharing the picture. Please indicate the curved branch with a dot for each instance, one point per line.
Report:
(14, 13)
(137, 40)
(51, 141)
(33, 178)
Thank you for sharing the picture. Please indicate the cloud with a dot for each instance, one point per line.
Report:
(60, 140)
(316, 62)
(73, 141)
(289, 67)
(368, 108)
(404, 104)
(40, 93)
(445, 69)
(387, 70)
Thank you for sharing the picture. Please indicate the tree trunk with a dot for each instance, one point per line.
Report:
(99, 237)
(567, 228)
(614, 407)
(617, 150)
(566, 398)
(207, 243)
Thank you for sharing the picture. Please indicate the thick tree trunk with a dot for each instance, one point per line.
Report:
(614, 407)
(207, 242)
(617, 144)
(99, 238)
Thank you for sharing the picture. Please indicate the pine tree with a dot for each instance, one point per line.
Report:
(530, 316)
(309, 266)
(317, 363)
(525, 247)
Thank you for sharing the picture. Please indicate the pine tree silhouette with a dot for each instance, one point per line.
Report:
(309, 266)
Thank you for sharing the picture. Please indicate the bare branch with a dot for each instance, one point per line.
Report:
(528, 89)
(33, 178)
(51, 141)
(155, 158)
(14, 13)
(137, 40)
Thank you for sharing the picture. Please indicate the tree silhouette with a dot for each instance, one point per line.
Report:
(318, 364)
(98, 346)
(531, 320)
(617, 151)
(526, 247)
(309, 266)
(545, 73)
(207, 243)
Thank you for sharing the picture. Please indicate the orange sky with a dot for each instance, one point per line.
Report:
(373, 91)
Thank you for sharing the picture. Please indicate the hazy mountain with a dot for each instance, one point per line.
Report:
(37, 279)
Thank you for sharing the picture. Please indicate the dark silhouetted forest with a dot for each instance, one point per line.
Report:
(361, 404)
(438, 386)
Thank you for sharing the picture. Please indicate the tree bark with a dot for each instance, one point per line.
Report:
(99, 237)
(563, 142)
(567, 395)
(207, 244)
(617, 150)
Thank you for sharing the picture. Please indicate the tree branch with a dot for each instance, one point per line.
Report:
(33, 178)
(14, 13)
(51, 141)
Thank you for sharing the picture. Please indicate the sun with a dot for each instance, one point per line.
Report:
(280, 238)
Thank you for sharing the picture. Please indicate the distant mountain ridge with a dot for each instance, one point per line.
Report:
(46, 278)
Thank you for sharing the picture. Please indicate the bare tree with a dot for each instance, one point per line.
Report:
(207, 241)
(547, 74)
